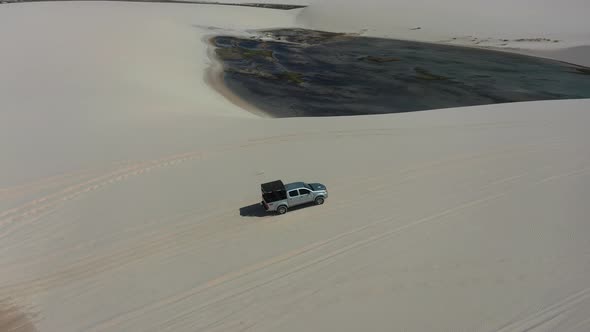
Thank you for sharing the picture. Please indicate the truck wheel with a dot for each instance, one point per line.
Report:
(282, 209)
(319, 201)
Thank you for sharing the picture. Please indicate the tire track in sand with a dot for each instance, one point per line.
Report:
(539, 320)
(250, 269)
(156, 242)
(42, 184)
(41, 206)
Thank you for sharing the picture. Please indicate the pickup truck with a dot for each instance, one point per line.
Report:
(279, 197)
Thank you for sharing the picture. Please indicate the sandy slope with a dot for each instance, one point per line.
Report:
(124, 176)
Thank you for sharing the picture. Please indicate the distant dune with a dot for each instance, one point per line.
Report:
(196, 2)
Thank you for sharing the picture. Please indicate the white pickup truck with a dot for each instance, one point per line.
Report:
(278, 197)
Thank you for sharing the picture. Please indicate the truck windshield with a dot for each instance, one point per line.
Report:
(308, 187)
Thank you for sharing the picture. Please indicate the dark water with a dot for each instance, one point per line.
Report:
(310, 73)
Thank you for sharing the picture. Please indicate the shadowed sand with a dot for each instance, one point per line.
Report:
(12, 319)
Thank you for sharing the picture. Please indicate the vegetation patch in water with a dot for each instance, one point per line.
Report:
(239, 53)
(380, 59)
(293, 77)
(424, 74)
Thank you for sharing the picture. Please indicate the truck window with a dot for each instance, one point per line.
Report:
(304, 192)
(293, 193)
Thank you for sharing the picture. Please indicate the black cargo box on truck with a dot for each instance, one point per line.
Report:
(273, 191)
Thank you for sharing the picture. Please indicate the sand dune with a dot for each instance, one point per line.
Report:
(128, 194)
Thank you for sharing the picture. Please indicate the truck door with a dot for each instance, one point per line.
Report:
(294, 198)
(305, 196)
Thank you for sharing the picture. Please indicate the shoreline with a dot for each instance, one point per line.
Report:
(214, 78)
(560, 55)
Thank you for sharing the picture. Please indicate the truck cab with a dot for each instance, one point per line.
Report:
(279, 197)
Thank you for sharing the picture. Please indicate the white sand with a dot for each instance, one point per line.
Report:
(123, 174)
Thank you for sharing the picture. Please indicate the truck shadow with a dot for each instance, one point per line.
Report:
(256, 210)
